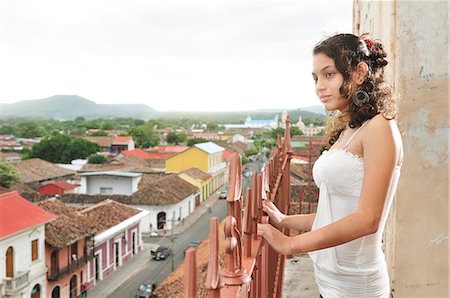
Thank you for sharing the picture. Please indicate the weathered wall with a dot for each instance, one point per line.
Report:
(416, 36)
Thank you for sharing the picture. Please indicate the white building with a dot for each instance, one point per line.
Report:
(23, 272)
(109, 183)
(255, 123)
(168, 200)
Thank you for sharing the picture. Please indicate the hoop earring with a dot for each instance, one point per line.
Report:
(360, 97)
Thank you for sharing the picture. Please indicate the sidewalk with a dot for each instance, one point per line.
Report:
(203, 208)
(107, 286)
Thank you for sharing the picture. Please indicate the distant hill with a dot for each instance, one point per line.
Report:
(315, 109)
(69, 107)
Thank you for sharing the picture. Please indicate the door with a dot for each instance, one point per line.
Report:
(10, 262)
(73, 286)
(54, 266)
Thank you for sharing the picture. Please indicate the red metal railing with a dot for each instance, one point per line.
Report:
(251, 268)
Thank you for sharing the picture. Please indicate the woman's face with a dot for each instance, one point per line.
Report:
(328, 81)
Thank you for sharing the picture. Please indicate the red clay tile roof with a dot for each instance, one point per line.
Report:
(138, 152)
(159, 155)
(173, 149)
(18, 214)
(9, 155)
(37, 170)
(165, 191)
(125, 163)
(197, 174)
(69, 226)
(121, 140)
(19, 187)
(107, 214)
(62, 184)
(105, 141)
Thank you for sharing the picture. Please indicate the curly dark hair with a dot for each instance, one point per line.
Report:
(347, 50)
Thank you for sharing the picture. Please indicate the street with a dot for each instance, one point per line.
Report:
(159, 270)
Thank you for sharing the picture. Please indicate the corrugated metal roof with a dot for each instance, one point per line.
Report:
(209, 147)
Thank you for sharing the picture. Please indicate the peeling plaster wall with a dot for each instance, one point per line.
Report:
(415, 34)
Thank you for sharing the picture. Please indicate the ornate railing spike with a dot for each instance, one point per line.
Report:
(251, 268)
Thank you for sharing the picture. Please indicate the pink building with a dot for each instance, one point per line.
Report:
(117, 238)
(68, 247)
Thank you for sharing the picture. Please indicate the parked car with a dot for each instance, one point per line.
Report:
(160, 253)
(191, 244)
(223, 195)
(146, 290)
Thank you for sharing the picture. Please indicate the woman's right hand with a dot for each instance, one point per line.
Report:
(275, 215)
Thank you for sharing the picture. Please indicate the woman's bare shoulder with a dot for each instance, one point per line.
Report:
(382, 132)
(379, 124)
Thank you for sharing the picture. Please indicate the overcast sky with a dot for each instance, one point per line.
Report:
(170, 55)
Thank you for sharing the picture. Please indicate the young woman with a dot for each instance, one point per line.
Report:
(357, 176)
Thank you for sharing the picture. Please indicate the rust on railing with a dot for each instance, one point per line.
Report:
(251, 268)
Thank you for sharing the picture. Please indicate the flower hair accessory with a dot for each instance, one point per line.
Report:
(369, 44)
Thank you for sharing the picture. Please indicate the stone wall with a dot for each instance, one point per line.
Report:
(416, 36)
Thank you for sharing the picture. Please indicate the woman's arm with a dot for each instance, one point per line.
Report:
(300, 222)
(381, 144)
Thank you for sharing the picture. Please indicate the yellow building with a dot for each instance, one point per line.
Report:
(200, 179)
(204, 156)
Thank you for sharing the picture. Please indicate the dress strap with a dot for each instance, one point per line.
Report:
(354, 134)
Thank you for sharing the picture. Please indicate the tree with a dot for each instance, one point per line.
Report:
(97, 159)
(295, 131)
(192, 142)
(7, 129)
(29, 129)
(63, 149)
(144, 136)
(212, 126)
(8, 174)
(176, 138)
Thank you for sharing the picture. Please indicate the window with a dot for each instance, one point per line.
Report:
(34, 250)
(74, 251)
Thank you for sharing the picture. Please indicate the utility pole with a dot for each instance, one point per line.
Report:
(172, 261)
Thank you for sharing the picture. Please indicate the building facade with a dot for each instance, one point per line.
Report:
(23, 272)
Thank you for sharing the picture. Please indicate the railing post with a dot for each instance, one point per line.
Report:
(190, 274)
(213, 283)
(233, 272)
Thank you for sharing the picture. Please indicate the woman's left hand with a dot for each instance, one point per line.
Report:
(276, 239)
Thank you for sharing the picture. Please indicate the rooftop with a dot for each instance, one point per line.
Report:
(108, 214)
(18, 214)
(38, 170)
(173, 149)
(61, 184)
(111, 173)
(69, 226)
(165, 191)
(197, 174)
(209, 147)
(137, 151)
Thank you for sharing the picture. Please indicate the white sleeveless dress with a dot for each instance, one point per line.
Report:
(357, 268)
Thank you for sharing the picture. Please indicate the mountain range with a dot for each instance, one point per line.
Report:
(69, 107)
